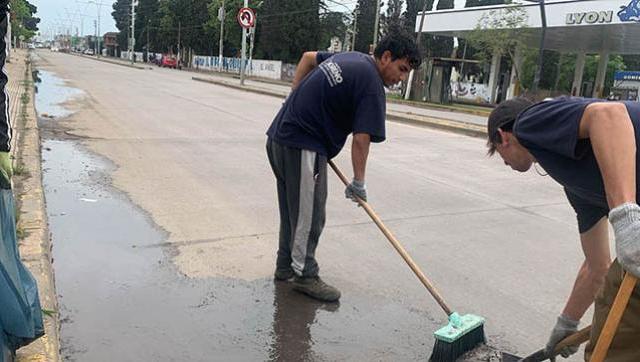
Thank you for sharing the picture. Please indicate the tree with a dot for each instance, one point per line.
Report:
(332, 24)
(366, 20)
(501, 32)
(392, 20)
(232, 31)
(297, 21)
(474, 3)
(23, 24)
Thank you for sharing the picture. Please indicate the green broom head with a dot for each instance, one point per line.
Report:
(462, 334)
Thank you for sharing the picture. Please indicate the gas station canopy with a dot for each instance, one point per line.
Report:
(589, 26)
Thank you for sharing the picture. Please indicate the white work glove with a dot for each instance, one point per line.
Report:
(564, 327)
(356, 188)
(626, 228)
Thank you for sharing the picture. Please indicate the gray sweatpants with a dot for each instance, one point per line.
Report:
(301, 177)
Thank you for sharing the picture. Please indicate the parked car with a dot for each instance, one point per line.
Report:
(88, 52)
(169, 61)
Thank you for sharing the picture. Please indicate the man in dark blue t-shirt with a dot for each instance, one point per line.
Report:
(589, 147)
(333, 96)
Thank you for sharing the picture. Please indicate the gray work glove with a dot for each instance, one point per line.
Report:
(356, 188)
(564, 327)
(626, 228)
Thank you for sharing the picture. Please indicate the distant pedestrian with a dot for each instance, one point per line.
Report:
(590, 147)
(333, 95)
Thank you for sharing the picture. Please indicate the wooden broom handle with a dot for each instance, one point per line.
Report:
(613, 320)
(396, 244)
(575, 339)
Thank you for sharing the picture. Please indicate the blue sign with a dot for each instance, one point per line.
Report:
(630, 12)
(627, 75)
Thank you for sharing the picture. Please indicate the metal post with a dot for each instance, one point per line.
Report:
(99, 47)
(252, 35)
(543, 18)
(356, 11)
(244, 49)
(95, 31)
(376, 24)
(133, 31)
(221, 16)
(407, 94)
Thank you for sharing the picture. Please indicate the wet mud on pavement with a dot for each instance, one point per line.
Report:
(123, 300)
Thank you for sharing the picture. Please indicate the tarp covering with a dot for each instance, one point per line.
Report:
(20, 313)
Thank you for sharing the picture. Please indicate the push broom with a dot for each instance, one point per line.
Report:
(462, 333)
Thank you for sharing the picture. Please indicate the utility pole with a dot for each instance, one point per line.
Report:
(148, 28)
(98, 32)
(407, 94)
(543, 19)
(95, 43)
(376, 24)
(244, 49)
(252, 32)
(179, 46)
(133, 31)
(356, 12)
(221, 15)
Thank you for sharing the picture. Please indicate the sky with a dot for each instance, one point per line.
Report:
(78, 16)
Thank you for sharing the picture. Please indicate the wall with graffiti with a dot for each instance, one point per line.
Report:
(470, 92)
(258, 68)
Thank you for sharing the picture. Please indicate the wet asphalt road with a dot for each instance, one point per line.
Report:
(163, 216)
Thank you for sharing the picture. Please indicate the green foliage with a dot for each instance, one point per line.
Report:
(474, 3)
(232, 31)
(411, 13)
(445, 4)
(332, 24)
(23, 24)
(366, 20)
(288, 28)
(392, 19)
(500, 32)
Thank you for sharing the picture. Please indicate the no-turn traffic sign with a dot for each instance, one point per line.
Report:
(246, 18)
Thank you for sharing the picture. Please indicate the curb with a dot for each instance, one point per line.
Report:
(110, 61)
(35, 246)
(464, 128)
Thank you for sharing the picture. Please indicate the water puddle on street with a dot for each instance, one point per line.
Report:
(121, 298)
(52, 93)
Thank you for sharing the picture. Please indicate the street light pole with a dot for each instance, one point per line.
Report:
(543, 18)
(244, 49)
(221, 16)
(356, 12)
(407, 94)
(133, 30)
(376, 24)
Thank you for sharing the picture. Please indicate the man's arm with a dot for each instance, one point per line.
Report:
(612, 136)
(359, 154)
(595, 245)
(305, 65)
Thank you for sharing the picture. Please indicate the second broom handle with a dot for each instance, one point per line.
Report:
(396, 244)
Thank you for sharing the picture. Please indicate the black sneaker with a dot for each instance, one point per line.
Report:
(283, 274)
(316, 288)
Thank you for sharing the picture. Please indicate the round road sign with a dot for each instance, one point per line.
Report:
(246, 18)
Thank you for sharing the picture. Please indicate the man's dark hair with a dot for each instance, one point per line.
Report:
(503, 117)
(401, 45)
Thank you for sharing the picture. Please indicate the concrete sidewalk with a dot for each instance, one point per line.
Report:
(34, 243)
(464, 123)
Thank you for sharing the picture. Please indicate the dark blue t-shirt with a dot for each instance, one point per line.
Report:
(549, 130)
(343, 95)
